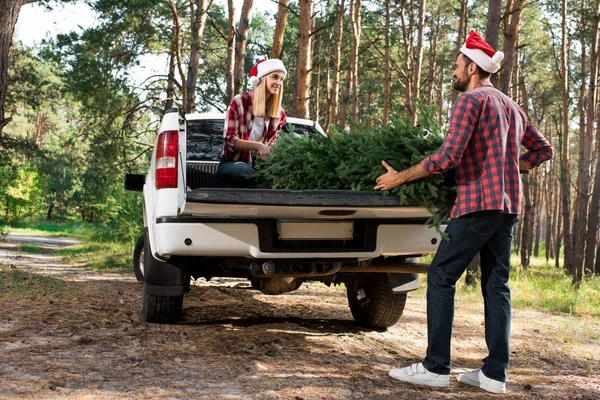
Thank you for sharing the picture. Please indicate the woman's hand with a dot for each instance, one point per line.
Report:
(262, 150)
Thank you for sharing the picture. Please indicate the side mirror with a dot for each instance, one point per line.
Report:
(135, 182)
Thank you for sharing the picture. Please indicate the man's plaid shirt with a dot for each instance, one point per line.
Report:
(238, 125)
(483, 143)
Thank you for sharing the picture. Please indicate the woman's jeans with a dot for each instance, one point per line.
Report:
(236, 174)
(490, 234)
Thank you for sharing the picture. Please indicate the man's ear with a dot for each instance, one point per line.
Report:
(472, 68)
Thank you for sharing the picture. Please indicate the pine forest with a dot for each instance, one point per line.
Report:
(75, 117)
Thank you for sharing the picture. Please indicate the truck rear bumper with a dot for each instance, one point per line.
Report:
(262, 238)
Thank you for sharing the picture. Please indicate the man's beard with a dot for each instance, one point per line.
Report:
(461, 86)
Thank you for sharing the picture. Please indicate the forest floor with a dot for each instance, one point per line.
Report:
(78, 335)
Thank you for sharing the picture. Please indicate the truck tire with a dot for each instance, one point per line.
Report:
(372, 302)
(161, 309)
(138, 259)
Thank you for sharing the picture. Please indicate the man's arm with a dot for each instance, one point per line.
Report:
(393, 178)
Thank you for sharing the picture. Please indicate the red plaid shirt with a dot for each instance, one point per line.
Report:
(238, 125)
(483, 143)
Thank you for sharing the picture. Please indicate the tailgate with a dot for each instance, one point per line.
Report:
(298, 204)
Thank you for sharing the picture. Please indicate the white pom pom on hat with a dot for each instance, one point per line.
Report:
(482, 53)
(263, 68)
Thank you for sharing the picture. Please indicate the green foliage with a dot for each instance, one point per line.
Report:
(544, 286)
(100, 256)
(352, 161)
(20, 191)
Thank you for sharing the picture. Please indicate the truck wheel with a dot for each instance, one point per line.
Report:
(161, 309)
(372, 302)
(138, 259)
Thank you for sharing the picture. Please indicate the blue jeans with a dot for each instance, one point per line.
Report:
(490, 234)
(236, 174)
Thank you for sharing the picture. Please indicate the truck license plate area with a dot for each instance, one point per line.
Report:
(350, 236)
(315, 230)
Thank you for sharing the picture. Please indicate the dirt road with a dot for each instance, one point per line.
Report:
(79, 336)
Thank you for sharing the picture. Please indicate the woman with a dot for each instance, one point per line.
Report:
(251, 124)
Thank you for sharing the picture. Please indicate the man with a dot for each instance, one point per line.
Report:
(485, 132)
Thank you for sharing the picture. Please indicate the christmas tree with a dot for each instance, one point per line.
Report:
(352, 161)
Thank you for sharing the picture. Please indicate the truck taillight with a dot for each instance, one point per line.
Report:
(166, 160)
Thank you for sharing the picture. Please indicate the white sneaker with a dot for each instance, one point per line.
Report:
(418, 375)
(478, 379)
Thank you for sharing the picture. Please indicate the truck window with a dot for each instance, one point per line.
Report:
(204, 139)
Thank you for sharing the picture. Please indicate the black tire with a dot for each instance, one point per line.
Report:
(138, 259)
(372, 302)
(161, 309)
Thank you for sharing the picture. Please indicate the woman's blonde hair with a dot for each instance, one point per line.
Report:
(262, 108)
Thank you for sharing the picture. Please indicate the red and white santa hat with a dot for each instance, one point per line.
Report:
(482, 53)
(263, 68)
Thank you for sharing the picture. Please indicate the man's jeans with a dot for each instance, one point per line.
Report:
(235, 174)
(490, 234)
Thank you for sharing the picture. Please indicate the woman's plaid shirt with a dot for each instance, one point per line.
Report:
(238, 125)
(483, 143)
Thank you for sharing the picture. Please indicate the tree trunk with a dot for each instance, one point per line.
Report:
(386, 65)
(528, 214)
(433, 45)
(514, 10)
(565, 168)
(586, 138)
(592, 117)
(198, 22)
(170, 80)
(282, 11)
(492, 30)
(241, 40)
(463, 20)
(177, 51)
(230, 61)
(335, 85)
(347, 89)
(318, 82)
(356, 29)
(8, 20)
(417, 63)
(303, 72)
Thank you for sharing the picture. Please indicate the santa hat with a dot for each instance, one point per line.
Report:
(263, 68)
(482, 53)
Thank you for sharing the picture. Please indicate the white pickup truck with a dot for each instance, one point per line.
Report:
(278, 239)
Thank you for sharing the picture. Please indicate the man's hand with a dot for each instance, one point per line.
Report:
(389, 180)
(393, 178)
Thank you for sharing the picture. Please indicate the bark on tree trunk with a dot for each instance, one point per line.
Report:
(356, 21)
(8, 20)
(347, 89)
(282, 11)
(514, 10)
(317, 83)
(335, 85)
(586, 137)
(462, 33)
(241, 40)
(565, 167)
(417, 63)
(592, 116)
(493, 28)
(198, 22)
(229, 68)
(433, 60)
(386, 65)
(170, 80)
(177, 51)
(301, 107)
